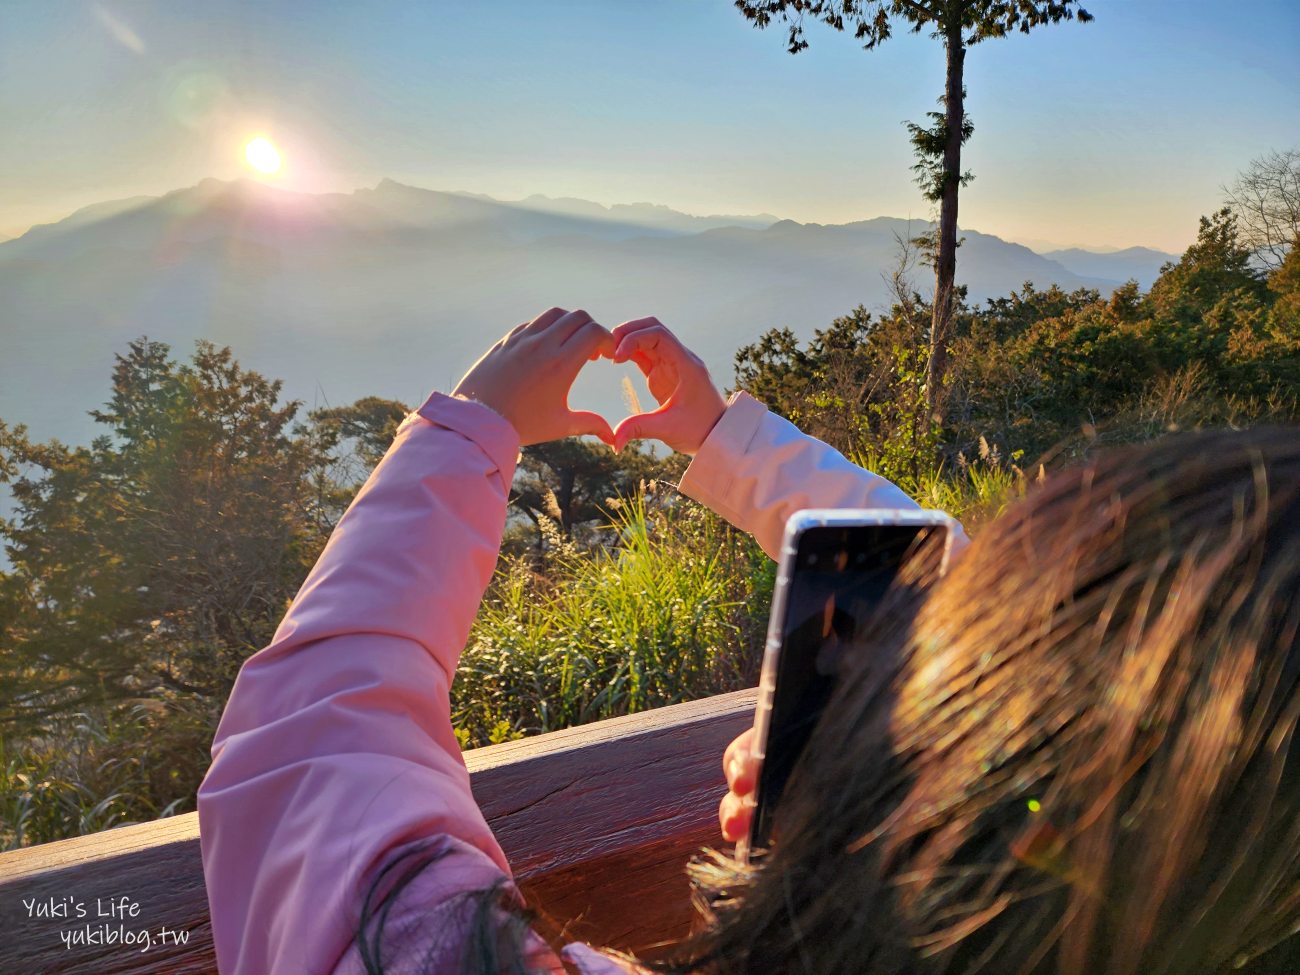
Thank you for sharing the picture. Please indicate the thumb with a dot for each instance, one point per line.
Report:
(583, 422)
(655, 425)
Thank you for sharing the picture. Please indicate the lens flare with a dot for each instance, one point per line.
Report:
(262, 156)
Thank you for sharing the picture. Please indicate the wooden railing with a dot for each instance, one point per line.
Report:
(597, 821)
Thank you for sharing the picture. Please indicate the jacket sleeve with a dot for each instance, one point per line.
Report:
(756, 469)
(336, 746)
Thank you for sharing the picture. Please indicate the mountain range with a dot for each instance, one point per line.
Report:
(1140, 263)
(394, 290)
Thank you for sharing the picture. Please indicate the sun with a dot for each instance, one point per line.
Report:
(262, 155)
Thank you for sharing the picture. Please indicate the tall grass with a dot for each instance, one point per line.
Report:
(972, 490)
(673, 610)
(93, 771)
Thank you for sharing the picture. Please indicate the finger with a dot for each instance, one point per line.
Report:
(739, 746)
(544, 321)
(656, 424)
(734, 816)
(739, 765)
(636, 324)
(591, 341)
(582, 422)
(564, 327)
(654, 340)
(642, 360)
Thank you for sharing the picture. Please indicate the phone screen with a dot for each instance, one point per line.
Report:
(840, 576)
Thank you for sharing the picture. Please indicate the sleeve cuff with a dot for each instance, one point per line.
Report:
(479, 423)
(710, 474)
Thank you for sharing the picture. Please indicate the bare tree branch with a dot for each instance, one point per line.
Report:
(1266, 201)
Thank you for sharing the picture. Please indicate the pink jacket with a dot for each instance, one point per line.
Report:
(336, 748)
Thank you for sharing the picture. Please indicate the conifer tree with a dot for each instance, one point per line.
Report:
(958, 24)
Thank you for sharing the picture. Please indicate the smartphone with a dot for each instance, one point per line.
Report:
(834, 570)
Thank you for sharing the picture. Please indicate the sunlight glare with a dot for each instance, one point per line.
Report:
(262, 156)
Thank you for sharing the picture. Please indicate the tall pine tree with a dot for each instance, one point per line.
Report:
(958, 24)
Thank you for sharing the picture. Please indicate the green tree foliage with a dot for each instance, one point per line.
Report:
(929, 143)
(1042, 374)
(1284, 283)
(859, 385)
(1216, 267)
(367, 428)
(155, 560)
(346, 443)
(959, 24)
(571, 481)
(143, 570)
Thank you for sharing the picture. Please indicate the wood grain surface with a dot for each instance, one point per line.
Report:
(598, 822)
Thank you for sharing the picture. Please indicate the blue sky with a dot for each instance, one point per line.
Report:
(1117, 132)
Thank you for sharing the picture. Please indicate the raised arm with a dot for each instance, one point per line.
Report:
(756, 469)
(750, 466)
(336, 748)
(336, 744)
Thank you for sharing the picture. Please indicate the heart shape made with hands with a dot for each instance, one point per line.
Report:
(527, 375)
(689, 404)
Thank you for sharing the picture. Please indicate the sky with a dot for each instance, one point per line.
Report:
(1114, 133)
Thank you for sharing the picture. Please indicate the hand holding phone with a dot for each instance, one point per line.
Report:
(835, 569)
(741, 770)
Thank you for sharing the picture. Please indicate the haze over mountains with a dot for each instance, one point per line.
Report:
(1140, 263)
(394, 290)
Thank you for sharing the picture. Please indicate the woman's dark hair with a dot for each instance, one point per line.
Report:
(1074, 754)
(478, 931)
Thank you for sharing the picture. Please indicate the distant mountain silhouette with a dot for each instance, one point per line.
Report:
(648, 216)
(394, 290)
(1141, 264)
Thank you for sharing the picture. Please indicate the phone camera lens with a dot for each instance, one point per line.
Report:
(812, 559)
